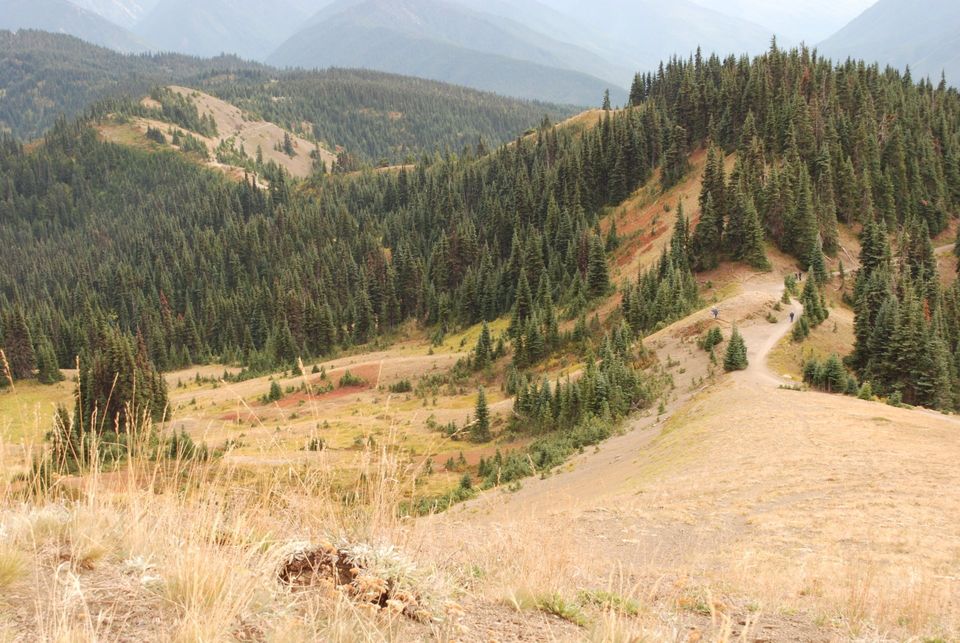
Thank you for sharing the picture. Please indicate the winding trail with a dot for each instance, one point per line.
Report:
(611, 466)
(736, 490)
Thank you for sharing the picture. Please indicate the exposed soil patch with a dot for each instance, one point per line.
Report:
(341, 569)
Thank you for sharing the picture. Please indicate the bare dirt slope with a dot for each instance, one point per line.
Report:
(253, 133)
(752, 510)
(238, 130)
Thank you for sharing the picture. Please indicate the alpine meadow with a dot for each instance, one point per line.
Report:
(407, 341)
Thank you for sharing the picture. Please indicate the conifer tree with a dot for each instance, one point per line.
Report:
(680, 241)
(18, 346)
(598, 279)
(48, 371)
(714, 185)
(675, 163)
(480, 431)
(483, 351)
(753, 252)
(522, 306)
(735, 358)
(743, 237)
(814, 309)
(118, 385)
(706, 240)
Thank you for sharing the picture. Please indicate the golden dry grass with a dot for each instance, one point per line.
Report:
(753, 512)
(232, 124)
(190, 551)
(253, 133)
(834, 336)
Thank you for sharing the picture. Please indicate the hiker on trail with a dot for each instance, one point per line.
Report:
(715, 312)
(791, 316)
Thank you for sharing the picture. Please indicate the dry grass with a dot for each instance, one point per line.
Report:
(752, 513)
(742, 513)
(29, 406)
(189, 551)
(834, 336)
(262, 434)
(13, 566)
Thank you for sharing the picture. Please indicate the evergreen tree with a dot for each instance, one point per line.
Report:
(744, 238)
(480, 431)
(714, 186)
(18, 346)
(48, 371)
(483, 352)
(735, 358)
(118, 385)
(706, 240)
(522, 306)
(753, 252)
(814, 308)
(598, 279)
(675, 162)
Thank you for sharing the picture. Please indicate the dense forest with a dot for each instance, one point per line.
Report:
(192, 267)
(45, 75)
(233, 272)
(374, 116)
(381, 117)
(816, 146)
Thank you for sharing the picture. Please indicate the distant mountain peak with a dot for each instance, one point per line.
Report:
(125, 13)
(921, 34)
(61, 16)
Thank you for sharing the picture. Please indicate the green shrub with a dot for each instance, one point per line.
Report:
(712, 338)
(275, 394)
(181, 447)
(349, 379)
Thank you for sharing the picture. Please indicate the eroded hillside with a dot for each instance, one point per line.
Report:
(238, 139)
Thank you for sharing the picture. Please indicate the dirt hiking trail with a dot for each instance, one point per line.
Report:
(608, 465)
(728, 514)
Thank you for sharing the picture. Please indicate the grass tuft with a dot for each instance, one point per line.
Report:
(13, 566)
(551, 603)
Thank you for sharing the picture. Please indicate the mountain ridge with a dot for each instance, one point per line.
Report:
(61, 16)
(924, 35)
(446, 42)
(247, 28)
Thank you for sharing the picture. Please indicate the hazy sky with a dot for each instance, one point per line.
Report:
(795, 20)
(807, 20)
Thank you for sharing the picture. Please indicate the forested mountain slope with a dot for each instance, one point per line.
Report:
(377, 116)
(44, 76)
(443, 41)
(201, 268)
(372, 115)
(213, 132)
(849, 144)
